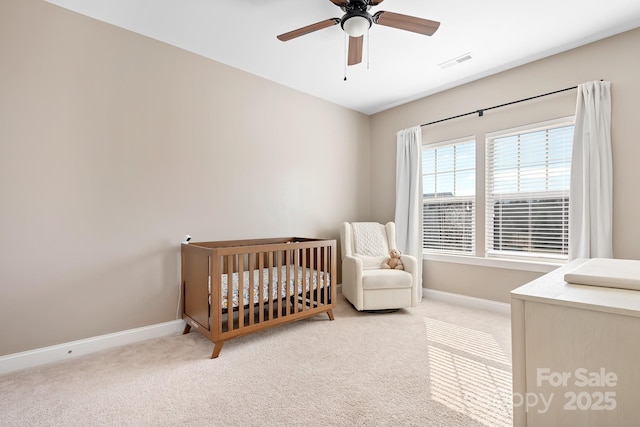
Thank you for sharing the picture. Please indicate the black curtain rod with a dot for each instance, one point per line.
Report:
(481, 111)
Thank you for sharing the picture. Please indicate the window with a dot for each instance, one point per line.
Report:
(449, 185)
(527, 191)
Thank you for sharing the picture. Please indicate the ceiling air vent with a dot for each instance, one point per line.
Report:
(455, 61)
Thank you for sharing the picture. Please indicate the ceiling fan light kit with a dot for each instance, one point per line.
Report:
(356, 24)
(357, 20)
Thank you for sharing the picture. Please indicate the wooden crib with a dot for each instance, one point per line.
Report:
(232, 288)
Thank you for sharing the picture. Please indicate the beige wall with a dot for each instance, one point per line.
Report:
(114, 146)
(611, 59)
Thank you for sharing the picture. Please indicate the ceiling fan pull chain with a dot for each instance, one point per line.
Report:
(346, 38)
(368, 49)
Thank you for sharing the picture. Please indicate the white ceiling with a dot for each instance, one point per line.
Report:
(398, 66)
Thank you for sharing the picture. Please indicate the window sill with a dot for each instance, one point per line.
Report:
(539, 266)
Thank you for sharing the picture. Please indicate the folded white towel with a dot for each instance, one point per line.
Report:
(607, 272)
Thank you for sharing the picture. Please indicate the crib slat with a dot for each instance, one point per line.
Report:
(283, 287)
(270, 283)
(229, 292)
(278, 283)
(325, 274)
(305, 256)
(252, 266)
(284, 284)
(291, 292)
(261, 287)
(311, 274)
(320, 292)
(282, 276)
(241, 286)
(296, 279)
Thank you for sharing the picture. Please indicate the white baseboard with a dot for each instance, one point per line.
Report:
(467, 301)
(55, 353)
(41, 356)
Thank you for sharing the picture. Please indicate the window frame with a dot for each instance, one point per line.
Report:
(479, 256)
(524, 129)
(473, 198)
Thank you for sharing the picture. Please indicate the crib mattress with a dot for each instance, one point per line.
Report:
(306, 280)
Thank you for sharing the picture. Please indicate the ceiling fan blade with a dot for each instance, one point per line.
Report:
(406, 22)
(308, 29)
(343, 3)
(355, 50)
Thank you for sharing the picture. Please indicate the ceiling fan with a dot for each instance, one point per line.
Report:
(357, 20)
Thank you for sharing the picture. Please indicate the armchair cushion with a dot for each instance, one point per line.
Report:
(386, 279)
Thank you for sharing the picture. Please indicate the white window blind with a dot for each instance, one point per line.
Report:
(448, 183)
(527, 191)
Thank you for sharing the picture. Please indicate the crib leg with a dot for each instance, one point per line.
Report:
(187, 329)
(217, 346)
(330, 314)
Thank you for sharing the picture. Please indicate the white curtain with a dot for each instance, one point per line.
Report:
(590, 200)
(408, 217)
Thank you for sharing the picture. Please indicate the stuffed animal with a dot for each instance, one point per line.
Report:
(394, 261)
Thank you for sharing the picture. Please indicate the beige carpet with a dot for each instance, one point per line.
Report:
(433, 365)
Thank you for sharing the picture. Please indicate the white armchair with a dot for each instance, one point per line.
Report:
(365, 246)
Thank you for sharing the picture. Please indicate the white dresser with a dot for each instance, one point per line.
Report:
(576, 353)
